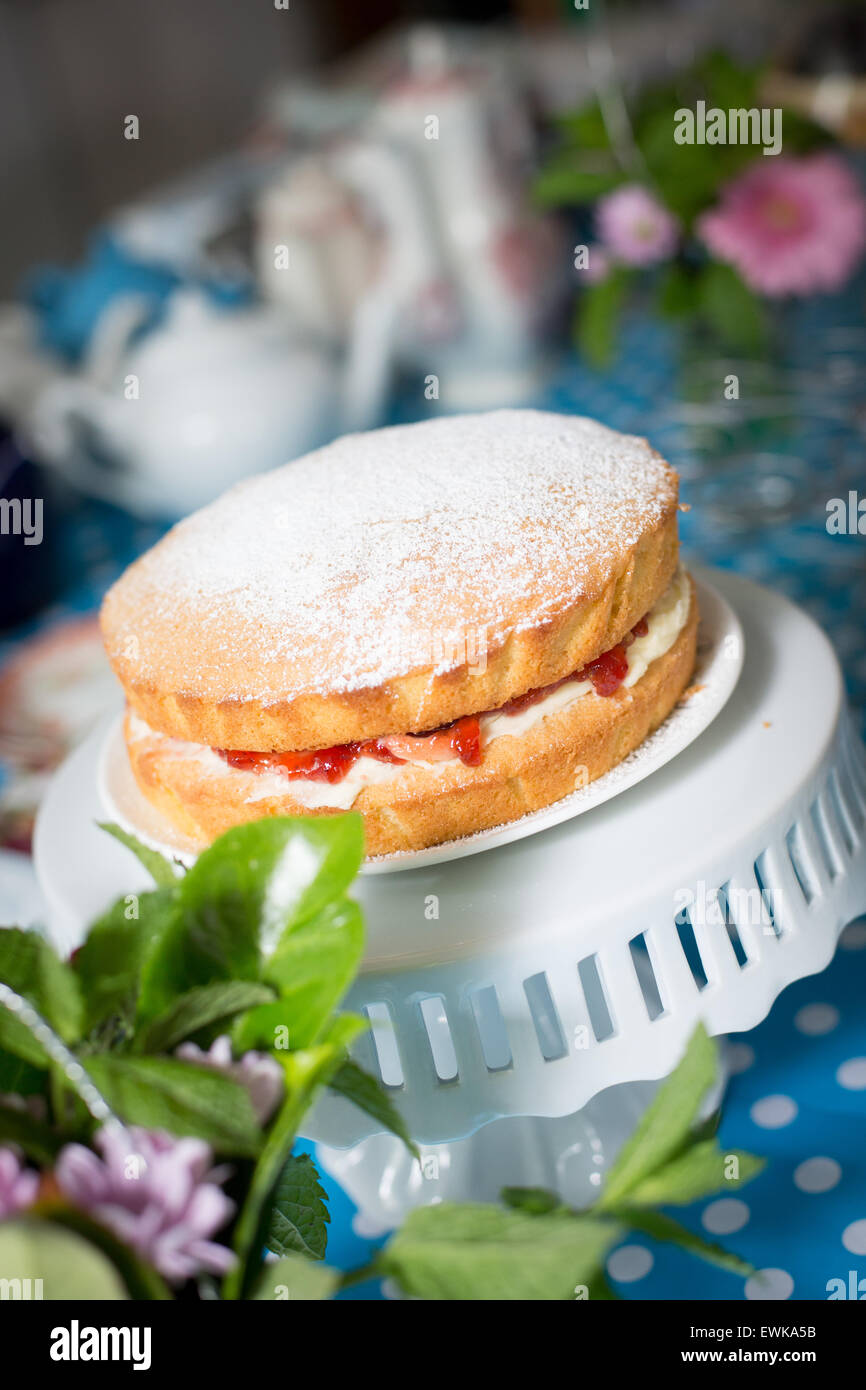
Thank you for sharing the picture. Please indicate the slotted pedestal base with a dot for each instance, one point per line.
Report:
(567, 971)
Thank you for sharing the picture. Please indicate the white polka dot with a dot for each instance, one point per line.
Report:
(739, 1057)
(852, 1074)
(854, 1237)
(629, 1263)
(769, 1284)
(853, 937)
(815, 1019)
(817, 1174)
(724, 1216)
(391, 1289)
(774, 1112)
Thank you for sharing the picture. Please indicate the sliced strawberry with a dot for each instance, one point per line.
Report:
(377, 748)
(466, 740)
(318, 765)
(462, 737)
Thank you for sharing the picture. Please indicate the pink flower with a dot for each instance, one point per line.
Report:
(18, 1185)
(259, 1073)
(790, 226)
(156, 1193)
(635, 227)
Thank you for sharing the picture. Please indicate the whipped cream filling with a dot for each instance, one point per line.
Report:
(665, 621)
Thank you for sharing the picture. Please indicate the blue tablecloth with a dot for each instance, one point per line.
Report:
(800, 1097)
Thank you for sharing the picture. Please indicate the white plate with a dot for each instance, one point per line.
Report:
(720, 660)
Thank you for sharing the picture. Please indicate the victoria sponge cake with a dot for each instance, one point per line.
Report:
(442, 626)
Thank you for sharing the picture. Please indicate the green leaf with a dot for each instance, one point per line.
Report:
(242, 894)
(299, 1217)
(69, 1267)
(677, 291)
(734, 313)
(537, 1201)
(38, 1140)
(21, 1078)
(164, 1093)
(664, 1228)
(296, 1279)
(471, 1252)
(163, 872)
(30, 967)
(64, 1071)
(666, 1122)
(686, 178)
(199, 1008)
(305, 1072)
(110, 962)
(584, 129)
(698, 1172)
(312, 967)
(570, 180)
(140, 1279)
(363, 1090)
(598, 312)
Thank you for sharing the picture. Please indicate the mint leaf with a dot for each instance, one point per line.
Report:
(305, 1072)
(30, 967)
(666, 1122)
(242, 894)
(19, 1077)
(69, 1267)
(472, 1252)
(537, 1201)
(200, 1008)
(109, 963)
(38, 1140)
(311, 968)
(697, 1172)
(299, 1217)
(164, 1093)
(295, 1279)
(163, 872)
(363, 1090)
(664, 1228)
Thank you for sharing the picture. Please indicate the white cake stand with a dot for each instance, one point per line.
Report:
(524, 999)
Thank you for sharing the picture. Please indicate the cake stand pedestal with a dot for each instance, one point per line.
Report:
(525, 1001)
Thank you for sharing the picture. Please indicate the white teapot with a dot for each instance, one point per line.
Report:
(206, 398)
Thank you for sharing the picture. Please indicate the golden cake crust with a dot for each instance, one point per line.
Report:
(395, 581)
(425, 806)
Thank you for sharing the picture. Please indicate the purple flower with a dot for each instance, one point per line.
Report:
(259, 1074)
(635, 227)
(18, 1185)
(156, 1193)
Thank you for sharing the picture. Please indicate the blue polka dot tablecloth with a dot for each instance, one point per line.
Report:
(759, 478)
(797, 1097)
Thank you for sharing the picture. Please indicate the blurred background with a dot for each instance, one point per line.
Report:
(232, 232)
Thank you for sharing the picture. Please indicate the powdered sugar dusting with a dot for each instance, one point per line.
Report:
(341, 566)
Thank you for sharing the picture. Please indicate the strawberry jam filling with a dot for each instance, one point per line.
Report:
(462, 739)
